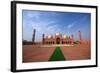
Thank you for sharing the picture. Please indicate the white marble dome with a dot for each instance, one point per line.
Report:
(57, 34)
(49, 36)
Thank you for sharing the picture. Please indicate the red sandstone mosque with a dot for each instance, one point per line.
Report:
(58, 38)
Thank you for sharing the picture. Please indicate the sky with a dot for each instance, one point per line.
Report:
(51, 22)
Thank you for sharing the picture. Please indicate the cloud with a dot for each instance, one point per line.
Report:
(33, 14)
(46, 27)
(76, 21)
(70, 25)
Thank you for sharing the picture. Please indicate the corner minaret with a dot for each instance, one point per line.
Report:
(33, 37)
(72, 39)
(79, 36)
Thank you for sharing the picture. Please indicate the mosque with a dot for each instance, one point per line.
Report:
(58, 38)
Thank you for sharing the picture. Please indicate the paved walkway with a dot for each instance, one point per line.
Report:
(41, 54)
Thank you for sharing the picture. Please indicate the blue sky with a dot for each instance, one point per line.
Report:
(52, 22)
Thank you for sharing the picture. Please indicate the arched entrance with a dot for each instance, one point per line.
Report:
(57, 40)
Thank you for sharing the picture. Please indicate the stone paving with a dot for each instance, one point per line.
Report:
(42, 54)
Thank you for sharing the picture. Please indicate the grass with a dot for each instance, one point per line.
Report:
(57, 55)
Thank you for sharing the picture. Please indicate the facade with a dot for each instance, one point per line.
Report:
(55, 39)
(58, 38)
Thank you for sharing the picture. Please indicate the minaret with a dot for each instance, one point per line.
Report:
(72, 39)
(80, 37)
(33, 37)
(43, 38)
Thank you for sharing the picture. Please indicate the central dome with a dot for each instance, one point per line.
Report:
(49, 36)
(57, 34)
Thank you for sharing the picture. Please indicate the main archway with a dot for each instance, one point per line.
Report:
(57, 40)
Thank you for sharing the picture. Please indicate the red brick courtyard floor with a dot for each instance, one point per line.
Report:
(41, 54)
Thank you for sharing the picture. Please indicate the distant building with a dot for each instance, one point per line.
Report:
(58, 38)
